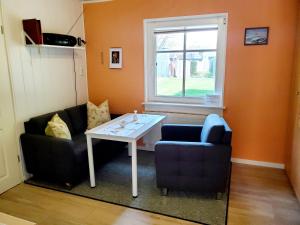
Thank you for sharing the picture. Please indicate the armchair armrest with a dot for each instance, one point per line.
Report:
(165, 150)
(181, 132)
(45, 154)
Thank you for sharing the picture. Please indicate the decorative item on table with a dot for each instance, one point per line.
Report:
(135, 117)
(115, 58)
(122, 123)
(256, 36)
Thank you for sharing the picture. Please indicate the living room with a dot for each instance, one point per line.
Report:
(173, 112)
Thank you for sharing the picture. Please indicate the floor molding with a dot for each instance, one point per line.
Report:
(145, 148)
(235, 160)
(258, 163)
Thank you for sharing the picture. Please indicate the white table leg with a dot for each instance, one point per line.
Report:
(129, 149)
(91, 160)
(134, 168)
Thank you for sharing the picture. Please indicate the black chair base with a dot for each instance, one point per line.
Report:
(164, 191)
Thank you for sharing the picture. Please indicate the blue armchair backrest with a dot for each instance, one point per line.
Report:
(215, 130)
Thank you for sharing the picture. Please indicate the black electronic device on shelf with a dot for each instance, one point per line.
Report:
(59, 39)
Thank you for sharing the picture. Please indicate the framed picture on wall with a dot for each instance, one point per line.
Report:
(115, 58)
(256, 36)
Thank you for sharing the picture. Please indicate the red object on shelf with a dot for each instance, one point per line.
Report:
(33, 29)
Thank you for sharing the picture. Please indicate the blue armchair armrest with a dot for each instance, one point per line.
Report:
(181, 132)
(166, 150)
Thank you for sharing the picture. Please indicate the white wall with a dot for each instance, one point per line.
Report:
(43, 81)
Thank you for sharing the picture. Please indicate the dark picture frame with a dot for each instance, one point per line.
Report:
(256, 36)
(115, 58)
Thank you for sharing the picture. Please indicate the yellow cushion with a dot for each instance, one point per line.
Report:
(97, 115)
(48, 131)
(58, 128)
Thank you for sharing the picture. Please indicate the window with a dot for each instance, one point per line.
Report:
(185, 60)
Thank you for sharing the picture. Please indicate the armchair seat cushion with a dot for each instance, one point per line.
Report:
(80, 147)
(102, 149)
(181, 132)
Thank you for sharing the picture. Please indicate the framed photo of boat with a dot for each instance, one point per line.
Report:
(256, 36)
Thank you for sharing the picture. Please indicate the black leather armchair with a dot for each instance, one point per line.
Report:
(194, 157)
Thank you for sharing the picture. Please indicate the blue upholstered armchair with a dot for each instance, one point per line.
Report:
(194, 157)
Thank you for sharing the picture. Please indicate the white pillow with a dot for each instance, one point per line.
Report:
(97, 115)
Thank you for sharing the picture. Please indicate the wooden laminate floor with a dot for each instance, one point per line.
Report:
(259, 196)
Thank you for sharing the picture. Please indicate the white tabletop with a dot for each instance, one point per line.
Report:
(126, 128)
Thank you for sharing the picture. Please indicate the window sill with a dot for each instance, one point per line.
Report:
(182, 108)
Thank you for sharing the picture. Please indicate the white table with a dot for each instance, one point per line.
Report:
(131, 132)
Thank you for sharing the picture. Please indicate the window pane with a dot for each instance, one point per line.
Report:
(200, 73)
(169, 72)
(197, 40)
(169, 41)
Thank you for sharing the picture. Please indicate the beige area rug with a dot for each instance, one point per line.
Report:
(11, 220)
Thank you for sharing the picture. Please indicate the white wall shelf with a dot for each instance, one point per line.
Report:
(55, 46)
(50, 46)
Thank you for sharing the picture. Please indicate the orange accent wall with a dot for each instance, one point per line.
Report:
(257, 80)
(293, 166)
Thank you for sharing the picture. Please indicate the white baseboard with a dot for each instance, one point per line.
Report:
(258, 163)
(235, 160)
(145, 148)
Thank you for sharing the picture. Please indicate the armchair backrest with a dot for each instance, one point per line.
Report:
(75, 118)
(227, 133)
(38, 124)
(215, 130)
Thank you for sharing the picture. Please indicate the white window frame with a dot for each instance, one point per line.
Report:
(209, 101)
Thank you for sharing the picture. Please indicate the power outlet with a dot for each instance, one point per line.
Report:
(82, 71)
